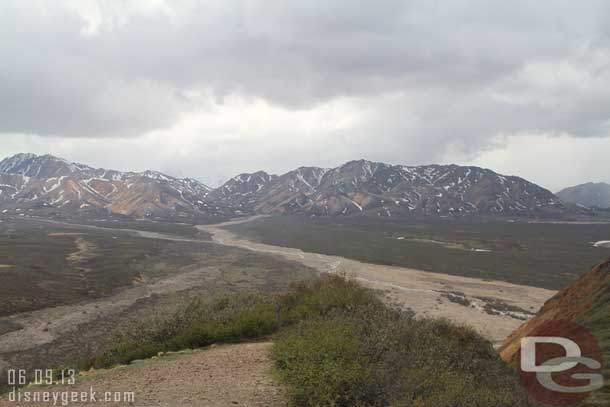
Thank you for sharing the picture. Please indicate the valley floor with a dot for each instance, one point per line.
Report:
(494, 308)
(239, 374)
(70, 333)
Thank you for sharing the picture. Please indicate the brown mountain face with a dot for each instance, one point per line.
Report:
(29, 182)
(580, 302)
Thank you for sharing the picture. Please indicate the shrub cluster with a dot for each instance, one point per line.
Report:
(337, 344)
(235, 318)
(377, 357)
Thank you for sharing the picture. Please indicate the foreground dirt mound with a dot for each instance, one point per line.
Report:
(232, 375)
(569, 304)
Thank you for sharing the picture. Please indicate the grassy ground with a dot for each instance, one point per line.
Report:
(47, 265)
(541, 255)
(337, 344)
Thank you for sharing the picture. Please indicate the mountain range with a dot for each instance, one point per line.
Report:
(590, 194)
(30, 183)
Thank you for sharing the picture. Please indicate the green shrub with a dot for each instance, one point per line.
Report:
(237, 318)
(370, 355)
(226, 320)
(127, 352)
(330, 294)
(337, 344)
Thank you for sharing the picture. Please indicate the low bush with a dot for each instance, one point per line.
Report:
(226, 320)
(337, 344)
(236, 318)
(379, 357)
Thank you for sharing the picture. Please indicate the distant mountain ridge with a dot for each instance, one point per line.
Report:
(391, 190)
(29, 182)
(590, 194)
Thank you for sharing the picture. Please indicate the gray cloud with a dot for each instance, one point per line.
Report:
(427, 77)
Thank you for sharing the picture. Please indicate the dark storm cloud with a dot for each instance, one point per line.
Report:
(461, 71)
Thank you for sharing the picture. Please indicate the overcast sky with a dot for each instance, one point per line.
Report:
(209, 89)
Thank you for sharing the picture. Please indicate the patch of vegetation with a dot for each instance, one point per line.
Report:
(44, 272)
(494, 306)
(7, 326)
(176, 229)
(381, 359)
(39, 267)
(337, 344)
(537, 254)
(457, 297)
(232, 318)
(597, 320)
(226, 320)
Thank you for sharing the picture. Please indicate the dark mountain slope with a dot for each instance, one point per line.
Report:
(589, 194)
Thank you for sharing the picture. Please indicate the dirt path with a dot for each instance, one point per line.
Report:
(231, 375)
(494, 308)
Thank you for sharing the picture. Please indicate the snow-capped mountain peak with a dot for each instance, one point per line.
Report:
(356, 187)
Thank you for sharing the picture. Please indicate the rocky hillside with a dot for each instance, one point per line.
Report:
(585, 302)
(589, 194)
(239, 193)
(573, 303)
(29, 182)
(390, 190)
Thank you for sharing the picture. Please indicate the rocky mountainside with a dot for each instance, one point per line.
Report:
(29, 182)
(391, 190)
(589, 194)
(238, 194)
